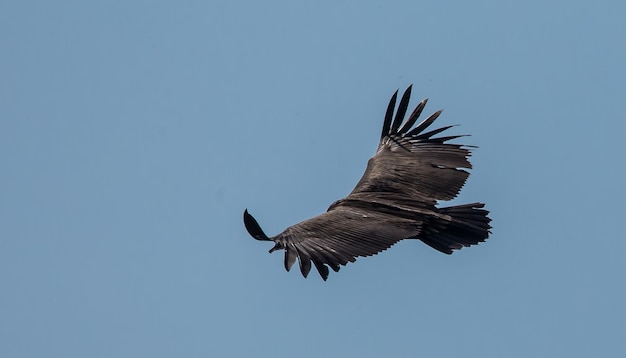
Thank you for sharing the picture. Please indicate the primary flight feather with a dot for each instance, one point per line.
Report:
(395, 200)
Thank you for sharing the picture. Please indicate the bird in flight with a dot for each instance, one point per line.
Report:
(396, 199)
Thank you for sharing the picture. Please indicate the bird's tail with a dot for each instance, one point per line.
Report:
(467, 225)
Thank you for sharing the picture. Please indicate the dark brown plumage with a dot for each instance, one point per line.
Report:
(394, 200)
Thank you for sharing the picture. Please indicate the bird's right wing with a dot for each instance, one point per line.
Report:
(412, 166)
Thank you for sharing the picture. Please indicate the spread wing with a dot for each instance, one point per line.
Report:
(411, 166)
(394, 200)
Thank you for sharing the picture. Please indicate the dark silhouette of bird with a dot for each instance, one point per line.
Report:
(396, 199)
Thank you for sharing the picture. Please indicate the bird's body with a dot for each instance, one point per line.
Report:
(394, 200)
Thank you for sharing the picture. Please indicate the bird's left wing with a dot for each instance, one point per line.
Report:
(337, 237)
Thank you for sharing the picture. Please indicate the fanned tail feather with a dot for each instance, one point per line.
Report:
(468, 225)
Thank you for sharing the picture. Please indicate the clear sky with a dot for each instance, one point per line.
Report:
(134, 133)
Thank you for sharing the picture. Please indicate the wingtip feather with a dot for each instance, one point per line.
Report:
(401, 112)
(253, 227)
(389, 115)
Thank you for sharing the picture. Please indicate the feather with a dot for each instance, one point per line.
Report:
(414, 116)
(404, 104)
(425, 124)
(389, 115)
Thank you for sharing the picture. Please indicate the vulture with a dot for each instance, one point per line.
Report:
(396, 199)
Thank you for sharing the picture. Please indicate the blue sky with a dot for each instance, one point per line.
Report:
(133, 134)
